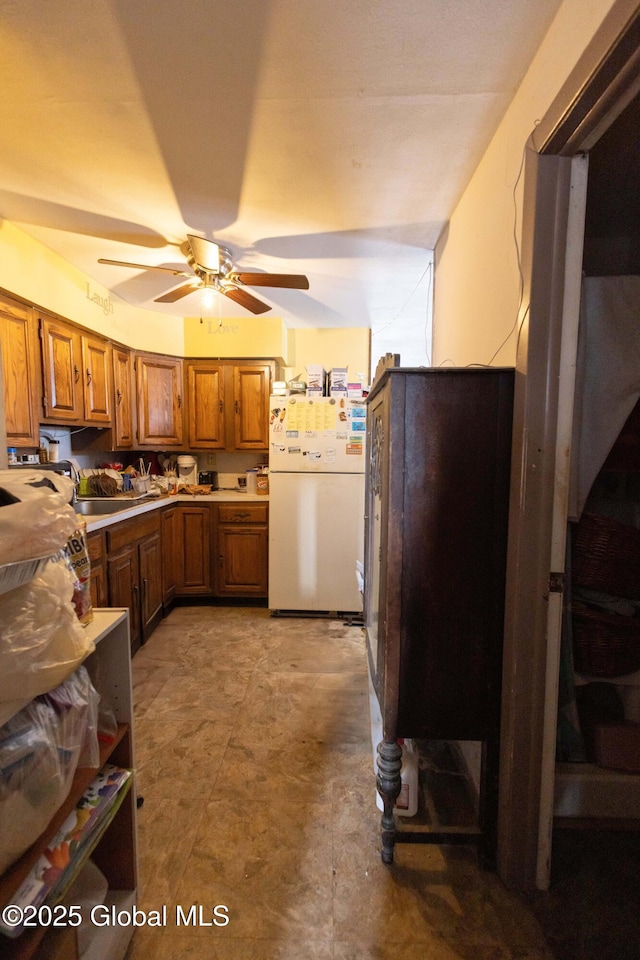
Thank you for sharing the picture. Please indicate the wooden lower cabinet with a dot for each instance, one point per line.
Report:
(150, 557)
(169, 524)
(193, 550)
(242, 550)
(134, 573)
(123, 574)
(96, 548)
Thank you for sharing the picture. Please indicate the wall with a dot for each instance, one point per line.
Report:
(476, 321)
(259, 337)
(334, 347)
(32, 271)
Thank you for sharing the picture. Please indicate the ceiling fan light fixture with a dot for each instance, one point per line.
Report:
(212, 266)
(208, 295)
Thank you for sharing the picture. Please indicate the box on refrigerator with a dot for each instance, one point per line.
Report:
(315, 380)
(338, 382)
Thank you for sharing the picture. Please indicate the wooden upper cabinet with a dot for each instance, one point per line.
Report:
(228, 404)
(61, 370)
(251, 388)
(19, 367)
(76, 373)
(122, 398)
(159, 400)
(96, 379)
(206, 402)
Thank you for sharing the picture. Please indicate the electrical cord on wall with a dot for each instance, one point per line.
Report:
(518, 322)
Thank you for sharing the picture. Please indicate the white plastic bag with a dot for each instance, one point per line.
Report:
(41, 638)
(41, 520)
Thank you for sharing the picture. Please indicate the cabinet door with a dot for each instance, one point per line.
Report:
(169, 552)
(61, 370)
(252, 386)
(150, 583)
(98, 582)
(242, 569)
(96, 356)
(123, 573)
(159, 400)
(122, 399)
(19, 367)
(205, 393)
(193, 574)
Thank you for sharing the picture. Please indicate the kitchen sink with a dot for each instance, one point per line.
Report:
(98, 508)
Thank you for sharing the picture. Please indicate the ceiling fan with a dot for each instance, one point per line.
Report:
(212, 268)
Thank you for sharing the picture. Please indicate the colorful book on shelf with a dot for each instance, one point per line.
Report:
(55, 868)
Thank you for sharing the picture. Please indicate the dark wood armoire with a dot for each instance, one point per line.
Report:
(439, 446)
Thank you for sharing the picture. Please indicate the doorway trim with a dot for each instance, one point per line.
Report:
(605, 79)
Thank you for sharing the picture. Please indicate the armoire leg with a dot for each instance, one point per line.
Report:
(388, 783)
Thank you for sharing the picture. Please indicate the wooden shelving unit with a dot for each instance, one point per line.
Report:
(114, 847)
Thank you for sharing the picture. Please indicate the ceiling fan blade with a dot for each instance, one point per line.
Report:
(145, 266)
(183, 291)
(245, 299)
(206, 253)
(294, 281)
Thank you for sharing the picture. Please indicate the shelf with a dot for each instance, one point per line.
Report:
(585, 791)
(16, 874)
(112, 842)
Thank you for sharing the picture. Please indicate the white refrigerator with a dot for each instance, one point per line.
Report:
(316, 503)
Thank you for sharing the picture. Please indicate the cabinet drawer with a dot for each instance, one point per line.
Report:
(122, 534)
(243, 513)
(95, 546)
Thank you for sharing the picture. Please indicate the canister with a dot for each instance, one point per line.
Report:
(262, 481)
(252, 480)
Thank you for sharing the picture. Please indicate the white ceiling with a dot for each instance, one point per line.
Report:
(325, 137)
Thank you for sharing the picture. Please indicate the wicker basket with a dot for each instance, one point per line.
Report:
(606, 556)
(605, 644)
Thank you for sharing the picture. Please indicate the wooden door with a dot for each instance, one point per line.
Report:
(19, 367)
(122, 399)
(193, 576)
(169, 552)
(242, 569)
(206, 399)
(150, 582)
(251, 389)
(123, 574)
(98, 582)
(159, 400)
(96, 378)
(61, 370)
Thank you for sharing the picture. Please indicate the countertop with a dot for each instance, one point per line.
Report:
(138, 507)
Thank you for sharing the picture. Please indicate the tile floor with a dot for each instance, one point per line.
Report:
(254, 760)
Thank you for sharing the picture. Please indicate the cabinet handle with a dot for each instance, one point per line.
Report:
(118, 397)
(144, 590)
(135, 591)
(76, 373)
(88, 377)
(179, 401)
(220, 406)
(237, 406)
(221, 561)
